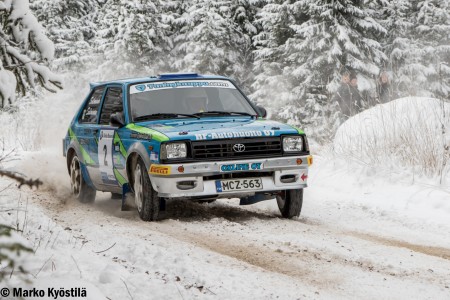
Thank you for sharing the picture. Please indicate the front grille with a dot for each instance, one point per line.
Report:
(223, 149)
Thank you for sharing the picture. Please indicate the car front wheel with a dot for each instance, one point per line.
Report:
(80, 189)
(290, 203)
(146, 198)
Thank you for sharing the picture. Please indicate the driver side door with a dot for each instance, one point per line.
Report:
(110, 179)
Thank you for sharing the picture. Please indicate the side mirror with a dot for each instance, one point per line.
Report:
(262, 111)
(116, 120)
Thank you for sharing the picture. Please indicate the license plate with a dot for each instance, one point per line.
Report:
(246, 184)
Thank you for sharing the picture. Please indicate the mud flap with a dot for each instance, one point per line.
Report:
(258, 197)
(127, 198)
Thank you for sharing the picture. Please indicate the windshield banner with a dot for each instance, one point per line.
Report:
(162, 85)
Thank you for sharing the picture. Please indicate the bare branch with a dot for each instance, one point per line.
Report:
(21, 180)
(105, 249)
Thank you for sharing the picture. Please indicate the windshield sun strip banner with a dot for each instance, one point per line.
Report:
(164, 85)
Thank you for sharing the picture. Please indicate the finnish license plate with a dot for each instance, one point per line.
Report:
(246, 184)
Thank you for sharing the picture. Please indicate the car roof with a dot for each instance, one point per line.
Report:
(167, 76)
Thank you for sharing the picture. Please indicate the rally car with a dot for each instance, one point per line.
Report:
(183, 136)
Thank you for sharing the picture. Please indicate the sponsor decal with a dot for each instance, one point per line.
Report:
(109, 134)
(84, 141)
(140, 87)
(108, 178)
(159, 85)
(228, 134)
(141, 136)
(154, 156)
(241, 167)
(159, 170)
(156, 135)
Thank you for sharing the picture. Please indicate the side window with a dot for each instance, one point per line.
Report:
(112, 104)
(90, 110)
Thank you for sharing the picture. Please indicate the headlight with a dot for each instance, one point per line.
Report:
(292, 144)
(173, 150)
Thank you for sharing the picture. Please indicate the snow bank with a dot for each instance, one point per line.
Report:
(7, 87)
(412, 133)
(35, 130)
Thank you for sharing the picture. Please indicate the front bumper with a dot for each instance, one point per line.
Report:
(169, 179)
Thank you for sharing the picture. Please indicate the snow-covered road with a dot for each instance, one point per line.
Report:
(337, 249)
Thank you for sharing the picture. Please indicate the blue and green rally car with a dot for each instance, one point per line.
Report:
(183, 136)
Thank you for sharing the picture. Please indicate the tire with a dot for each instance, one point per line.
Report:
(290, 203)
(148, 203)
(80, 189)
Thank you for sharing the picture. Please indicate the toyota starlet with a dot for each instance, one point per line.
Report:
(183, 136)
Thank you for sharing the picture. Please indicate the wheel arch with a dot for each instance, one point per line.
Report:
(71, 151)
(136, 151)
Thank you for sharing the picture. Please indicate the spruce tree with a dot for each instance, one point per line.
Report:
(319, 41)
(433, 20)
(133, 34)
(70, 25)
(24, 52)
(271, 87)
(215, 37)
(397, 43)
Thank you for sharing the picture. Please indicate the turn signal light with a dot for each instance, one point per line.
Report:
(310, 160)
(299, 161)
(181, 169)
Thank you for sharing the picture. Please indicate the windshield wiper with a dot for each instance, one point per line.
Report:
(223, 113)
(164, 116)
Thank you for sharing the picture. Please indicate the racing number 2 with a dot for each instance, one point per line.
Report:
(105, 159)
(105, 150)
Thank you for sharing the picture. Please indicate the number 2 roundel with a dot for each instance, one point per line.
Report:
(105, 158)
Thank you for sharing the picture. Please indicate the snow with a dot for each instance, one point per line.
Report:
(363, 233)
(410, 132)
(29, 29)
(7, 87)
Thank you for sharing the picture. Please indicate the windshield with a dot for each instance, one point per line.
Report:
(187, 97)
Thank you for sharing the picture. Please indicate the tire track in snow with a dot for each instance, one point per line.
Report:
(316, 266)
(428, 250)
(276, 261)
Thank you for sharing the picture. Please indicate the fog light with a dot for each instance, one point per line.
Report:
(181, 169)
(186, 185)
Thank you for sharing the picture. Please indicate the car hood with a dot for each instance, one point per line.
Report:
(218, 128)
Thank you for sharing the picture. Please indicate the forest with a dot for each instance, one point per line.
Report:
(288, 55)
